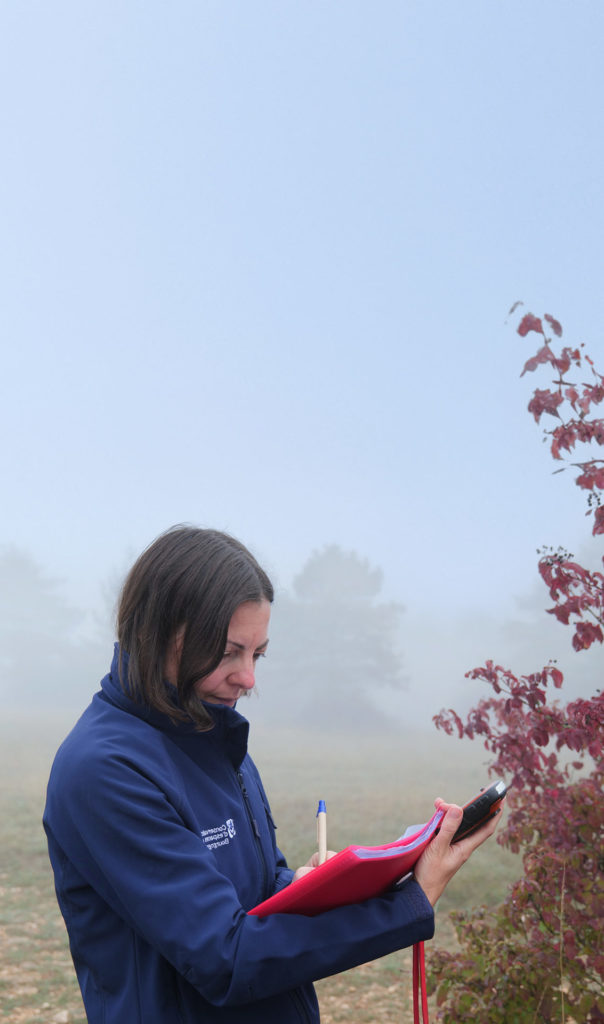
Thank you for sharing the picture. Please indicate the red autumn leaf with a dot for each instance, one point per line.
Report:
(572, 606)
(585, 635)
(535, 698)
(564, 438)
(562, 364)
(562, 613)
(573, 354)
(540, 737)
(457, 720)
(555, 325)
(589, 430)
(597, 431)
(598, 521)
(592, 478)
(544, 355)
(529, 323)
(572, 395)
(545, 401)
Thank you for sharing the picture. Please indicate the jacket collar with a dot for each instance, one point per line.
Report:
(229, 726)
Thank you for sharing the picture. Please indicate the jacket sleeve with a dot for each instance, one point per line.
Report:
(127, 839)
(283, 875)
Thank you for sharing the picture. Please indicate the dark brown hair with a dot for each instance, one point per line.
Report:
(190, 579)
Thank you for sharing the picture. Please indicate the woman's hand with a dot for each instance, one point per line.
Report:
(441, 860)
(311, 865)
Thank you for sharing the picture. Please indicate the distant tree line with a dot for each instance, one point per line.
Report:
(46, 659)
(333, 644)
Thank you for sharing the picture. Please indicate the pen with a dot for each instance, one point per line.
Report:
(322, 831)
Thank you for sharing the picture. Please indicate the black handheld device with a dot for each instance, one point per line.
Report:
(478, 811)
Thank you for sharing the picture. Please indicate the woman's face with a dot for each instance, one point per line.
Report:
(247, 641)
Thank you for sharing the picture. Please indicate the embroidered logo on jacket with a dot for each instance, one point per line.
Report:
(220, 835)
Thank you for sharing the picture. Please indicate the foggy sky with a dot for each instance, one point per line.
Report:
(256, 266)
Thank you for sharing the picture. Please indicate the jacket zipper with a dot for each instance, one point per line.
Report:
(256, 831)
(295, 995)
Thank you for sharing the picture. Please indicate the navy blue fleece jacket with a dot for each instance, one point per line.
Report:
(161, 838)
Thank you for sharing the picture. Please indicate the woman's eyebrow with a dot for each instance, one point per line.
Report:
(241, 647)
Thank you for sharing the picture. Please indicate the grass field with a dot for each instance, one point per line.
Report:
(374, 787)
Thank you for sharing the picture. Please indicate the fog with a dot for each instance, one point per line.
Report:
(342, 659)
(256, 270)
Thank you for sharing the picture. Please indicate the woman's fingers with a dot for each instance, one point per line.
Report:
(311, 864)
(450, 822)
(442, 858)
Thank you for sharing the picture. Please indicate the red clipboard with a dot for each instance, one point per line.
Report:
(353, 875)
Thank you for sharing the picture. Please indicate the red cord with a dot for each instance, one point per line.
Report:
(419, 984)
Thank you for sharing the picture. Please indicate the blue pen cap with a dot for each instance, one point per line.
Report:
(322, 809)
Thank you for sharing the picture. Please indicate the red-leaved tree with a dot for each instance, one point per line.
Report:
(539, 957)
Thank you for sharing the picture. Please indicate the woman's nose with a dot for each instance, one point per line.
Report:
(245, 676)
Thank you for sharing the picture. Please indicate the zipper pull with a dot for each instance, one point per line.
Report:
(253, 821)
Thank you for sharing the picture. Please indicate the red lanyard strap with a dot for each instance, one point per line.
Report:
(419, 984)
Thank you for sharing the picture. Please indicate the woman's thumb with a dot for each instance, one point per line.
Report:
(451, 822)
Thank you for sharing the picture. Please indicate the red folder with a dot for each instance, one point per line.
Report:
(353, 875)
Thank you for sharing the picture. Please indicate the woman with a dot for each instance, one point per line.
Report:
(159, 831)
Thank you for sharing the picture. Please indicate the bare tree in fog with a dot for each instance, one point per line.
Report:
(332, 643)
